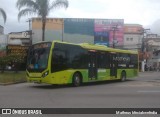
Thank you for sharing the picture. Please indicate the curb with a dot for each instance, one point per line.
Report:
(11, 83)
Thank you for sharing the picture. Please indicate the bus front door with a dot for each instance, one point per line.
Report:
(113, 66)
(92, 66)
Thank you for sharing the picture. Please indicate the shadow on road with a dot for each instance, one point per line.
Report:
(46, 86)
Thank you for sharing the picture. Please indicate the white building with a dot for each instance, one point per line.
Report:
(19, 38)
(133, 36)
(153, 50)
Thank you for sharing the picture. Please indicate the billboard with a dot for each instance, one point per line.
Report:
(113, 28)
(101, 38)
(81, 30)
(101, 30)
(79, 26)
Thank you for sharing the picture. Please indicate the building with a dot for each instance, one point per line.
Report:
(19, 38)
(80, 30)
(14, 38)
(3, 44)
(152, 50)
(1, 30)
(133, 36)
(53, 29)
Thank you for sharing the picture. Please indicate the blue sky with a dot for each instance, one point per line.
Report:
(144, 12)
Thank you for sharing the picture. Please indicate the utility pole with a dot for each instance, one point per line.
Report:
(30, 31)
(114, 29)
(62, 29)
(143, 62)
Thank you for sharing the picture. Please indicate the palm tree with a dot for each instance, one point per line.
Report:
(40, 8)
(2, 12)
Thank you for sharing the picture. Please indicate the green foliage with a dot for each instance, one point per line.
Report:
(12, 58)
(40, 7)
(2, 12)
(16, 58)
(3, 62)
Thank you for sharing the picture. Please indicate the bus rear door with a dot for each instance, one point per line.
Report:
(92, 65)
(113, 65)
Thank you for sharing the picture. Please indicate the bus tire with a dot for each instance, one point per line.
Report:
(76, 80)
(123, 76)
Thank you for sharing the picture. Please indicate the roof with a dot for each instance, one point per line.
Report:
(139, 25)
(18, 32)
(101, 48)
(105, 48)
(95, 47)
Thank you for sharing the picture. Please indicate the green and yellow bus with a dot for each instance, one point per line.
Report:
(66, 63)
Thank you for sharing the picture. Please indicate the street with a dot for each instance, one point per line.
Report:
(141, 92)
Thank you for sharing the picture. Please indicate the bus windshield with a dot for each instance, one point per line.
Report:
(38, 57)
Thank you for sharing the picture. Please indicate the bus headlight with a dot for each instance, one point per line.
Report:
(45, 74)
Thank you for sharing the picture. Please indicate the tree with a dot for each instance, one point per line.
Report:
(2, 12)
(3, 62)
(41, 8)
(16, 60)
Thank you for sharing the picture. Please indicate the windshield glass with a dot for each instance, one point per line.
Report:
(38, 57)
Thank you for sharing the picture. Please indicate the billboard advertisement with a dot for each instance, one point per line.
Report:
(79, 26)
(101, 38)
(101, 30)
(82, 30)
(113, 28)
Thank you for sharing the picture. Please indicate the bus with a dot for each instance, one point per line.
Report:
(66, 63)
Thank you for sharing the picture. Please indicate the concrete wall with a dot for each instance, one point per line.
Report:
(78, 38)
(133, 36)
(132, 41)
(51, 35)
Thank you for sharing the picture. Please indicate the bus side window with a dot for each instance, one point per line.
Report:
(107, 60)
(102, 60)
(134, 59)
(58, 60)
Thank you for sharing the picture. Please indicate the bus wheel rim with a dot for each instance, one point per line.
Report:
(77, 80)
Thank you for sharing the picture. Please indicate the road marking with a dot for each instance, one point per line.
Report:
(154, 91)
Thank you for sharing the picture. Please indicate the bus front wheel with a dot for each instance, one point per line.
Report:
(76, 80)
(123, 76)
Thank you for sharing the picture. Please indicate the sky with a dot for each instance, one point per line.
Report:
(143, 12)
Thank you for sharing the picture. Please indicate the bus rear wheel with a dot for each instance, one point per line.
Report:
(76, 80)
(123, 76)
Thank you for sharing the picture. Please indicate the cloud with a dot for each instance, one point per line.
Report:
(12, 24)
(155, 27)
(144, 12)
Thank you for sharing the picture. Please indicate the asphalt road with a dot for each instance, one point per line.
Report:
(141, 92)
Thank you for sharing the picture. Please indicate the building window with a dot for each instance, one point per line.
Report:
(127, 39)
(131, 39)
